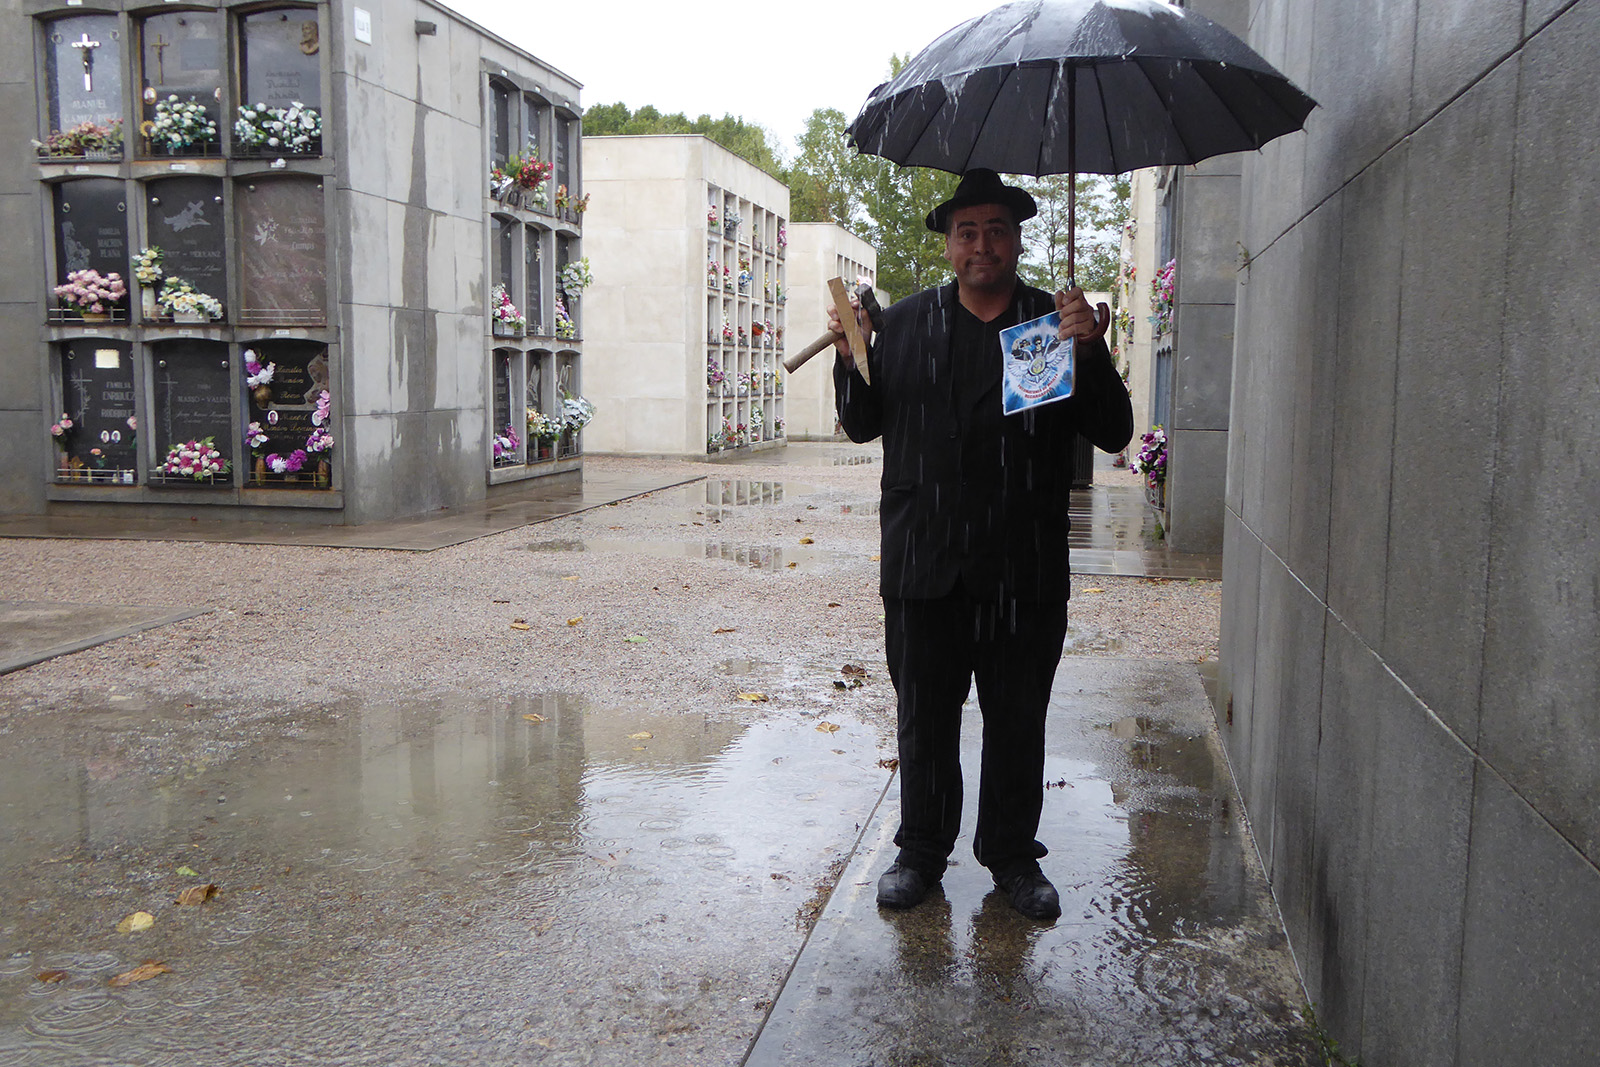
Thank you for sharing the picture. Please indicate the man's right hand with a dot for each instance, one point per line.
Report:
(842, 345)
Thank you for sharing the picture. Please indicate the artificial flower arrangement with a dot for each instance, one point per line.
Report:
(83, 139)
(716, 442)
(503, 312)
(742, 383)
(744, 281)
(783, 237)
(292, 463)
(293, 129)
(715, 375)
(195, 459)
(742, 337)
(180, 297)
(321, 417)
(542, 427)
(147, 265)
(565, 327)
(254, 437)
(780, 297)
(1152, 458)
(730, 221)
(91, 293)
(757, 326)
(62, 429)
(758, 417)
(713, 273)
(564, 199)
(711, 219)
(258, 376)
(180, 124)
(727, 328)
(528, 171)
(1161, 293)
(506, 445)
(576, 277)
(777, 426)
(727, 279)
(575, 412)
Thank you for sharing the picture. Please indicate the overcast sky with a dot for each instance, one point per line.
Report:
(771, 64)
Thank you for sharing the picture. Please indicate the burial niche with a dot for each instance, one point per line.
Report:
(181, 54)
(91, 227)
(282, 251)
(184, 219)
(193, 401)
(83, 74)
(280, 51)
(97, 394)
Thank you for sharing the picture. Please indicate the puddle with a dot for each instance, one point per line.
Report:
(1081, 641)
(396, 879)
(762, 557)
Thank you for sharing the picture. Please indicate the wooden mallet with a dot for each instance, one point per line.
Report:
(852, 329)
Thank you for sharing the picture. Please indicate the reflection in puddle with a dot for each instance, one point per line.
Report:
(762, 557)
(1081, 641)
(469, 860)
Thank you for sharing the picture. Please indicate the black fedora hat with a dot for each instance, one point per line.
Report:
(981, 185)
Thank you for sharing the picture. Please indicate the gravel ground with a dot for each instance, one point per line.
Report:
(788, 581)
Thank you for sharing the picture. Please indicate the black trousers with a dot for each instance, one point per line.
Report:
(935, 649)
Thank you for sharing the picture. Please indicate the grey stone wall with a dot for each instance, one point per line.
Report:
(1411, 617)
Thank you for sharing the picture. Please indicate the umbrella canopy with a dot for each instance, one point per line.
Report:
(1063, 86)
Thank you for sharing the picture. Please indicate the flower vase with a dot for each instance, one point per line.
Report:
(95, 316)
(191, 317)
(261, 469)
(262, 395)
(147, 303)
(324, 474)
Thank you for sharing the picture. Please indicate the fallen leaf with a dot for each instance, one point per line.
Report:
(52, 976)
(197, 894)
(188, 872)
(502, 601)
(1096, 590)
(890, 763)
(147, 969)
(139, 920)
(570, 578)
(642, 735)
(834, 604)
(519, 625)
(854, 683)
(635, 639)
(807, 541)
(827, 727)
(575, 620)
(724, 630)
(874, 558)
(534, 718)
(791, 566)
(855, 669)
(754, 698)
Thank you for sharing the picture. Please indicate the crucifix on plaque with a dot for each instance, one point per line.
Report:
(80, 383)
(88, 48)
(160, 47)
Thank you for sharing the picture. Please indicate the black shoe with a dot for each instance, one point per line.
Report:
(1031, 893)
(903, 887)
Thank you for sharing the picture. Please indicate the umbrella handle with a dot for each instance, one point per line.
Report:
(1102, 322)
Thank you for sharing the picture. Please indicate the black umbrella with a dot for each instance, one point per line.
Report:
(1066, 86)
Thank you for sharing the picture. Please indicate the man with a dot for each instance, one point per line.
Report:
(974, 564)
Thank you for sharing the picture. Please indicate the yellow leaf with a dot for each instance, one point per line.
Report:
(635, 639)
(139, 920)
(834, 604)
(52, 976)
(188, 872)
(570, 578)
(874, 558)
(1094, 590)
(575, 620)
(642, 735)
(723, 630)
(197, 894)
(754, 698)
(147, 969)
(807, 541)
(534, 718)
(828, 727)
(519, 626)
(791, 566)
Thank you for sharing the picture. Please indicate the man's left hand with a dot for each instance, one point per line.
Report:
(1077, 317)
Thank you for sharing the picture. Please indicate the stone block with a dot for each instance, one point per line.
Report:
(403, 149)
(1236, 664)
(366, 137)
(1539, 724)
(19, 220)
(1538, 12)
(1311, 460)
(367, 251)
(1447, 386)
(1195, 496)
(1259, 786)
(1354, 684)
(376, 382)
(1416, 884)
(1361, 77)
(1530, 955)
(1373, 211)
(1279, 350)
(1456, 44)
(22, 374)
(1290, 636)
(413, 342)
(26, 452)
(1242, 414)
(1203, 374)
(1209, 236)
(652, 422)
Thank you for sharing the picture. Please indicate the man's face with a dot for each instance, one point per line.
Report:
(983, 245)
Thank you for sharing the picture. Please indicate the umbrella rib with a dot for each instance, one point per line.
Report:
(1177, 131)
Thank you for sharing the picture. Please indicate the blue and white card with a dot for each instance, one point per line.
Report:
(1037, 365)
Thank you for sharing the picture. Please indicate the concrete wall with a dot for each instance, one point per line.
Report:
(1411, 618)
(818, 251)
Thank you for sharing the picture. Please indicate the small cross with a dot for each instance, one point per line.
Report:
(88, 47)
(160, 47)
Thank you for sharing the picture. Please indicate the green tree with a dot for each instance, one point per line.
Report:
(826, 178)
(748, 141)
(1102, 208)
(897, 200)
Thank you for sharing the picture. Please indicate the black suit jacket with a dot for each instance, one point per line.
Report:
(973, 495)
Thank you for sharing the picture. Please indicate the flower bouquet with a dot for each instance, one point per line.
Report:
(199, 460)
(505, 447)
(87, 140)
(90, 293)
(295, 130)
(1161, 294)
(566, 329)
(575, 412)
(258, 378)
(711, 219)
(185, 303)
(545, 431)
(180, 124)
(292, 463)
(1151, 462)
(148, 273)
(715, 376)
(504, 317)
(576, 277)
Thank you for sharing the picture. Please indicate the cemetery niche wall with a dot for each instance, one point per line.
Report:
(230, 311)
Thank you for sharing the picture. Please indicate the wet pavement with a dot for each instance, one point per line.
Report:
(1168, 949)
